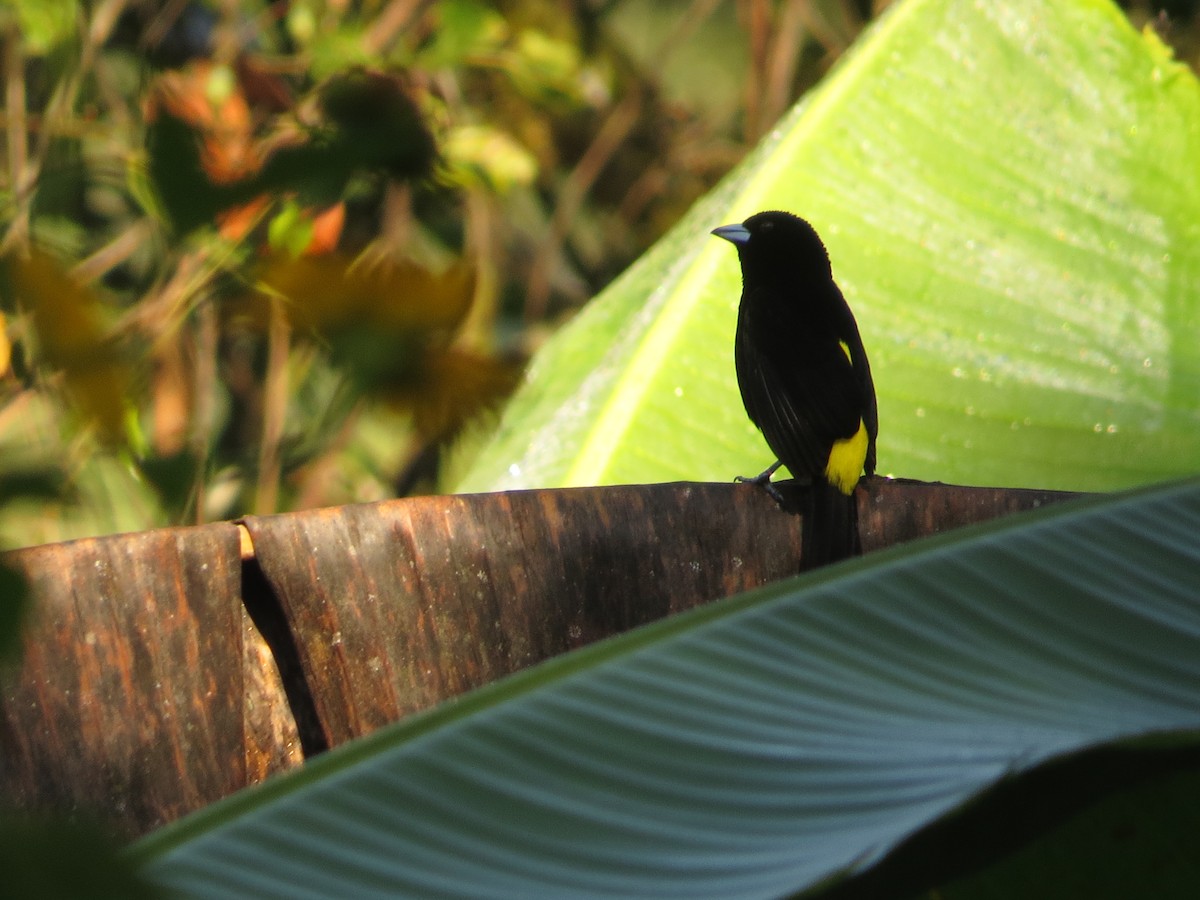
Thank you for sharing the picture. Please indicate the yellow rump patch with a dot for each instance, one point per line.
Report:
(846, 460)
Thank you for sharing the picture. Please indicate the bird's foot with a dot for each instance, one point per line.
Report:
(763, 480)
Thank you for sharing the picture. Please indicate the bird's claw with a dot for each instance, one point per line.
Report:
(763, 480)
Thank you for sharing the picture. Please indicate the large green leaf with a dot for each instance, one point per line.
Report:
(756, 746)
(1010, 194)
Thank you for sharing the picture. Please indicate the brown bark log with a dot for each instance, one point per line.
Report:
(399, 605)
(142, 692)
(163, 670)
(895, 511)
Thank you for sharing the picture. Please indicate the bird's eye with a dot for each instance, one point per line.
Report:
(767, 226)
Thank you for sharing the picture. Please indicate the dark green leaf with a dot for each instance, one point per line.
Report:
(58, 860)
(173, 479)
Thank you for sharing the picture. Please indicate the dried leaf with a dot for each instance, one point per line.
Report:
(207, 98)
(334, 291)
(72, 338)
(202, 165)
(451, 386)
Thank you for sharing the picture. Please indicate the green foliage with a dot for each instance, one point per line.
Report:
(60, 860)
(170, 154)
(1012, 213)
(545, 145)
(167, 376)
(44, 24)
(466, 30)
(369, 124)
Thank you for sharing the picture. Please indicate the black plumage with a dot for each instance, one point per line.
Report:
(803, 373)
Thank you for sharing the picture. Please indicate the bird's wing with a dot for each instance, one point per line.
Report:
(803, 395)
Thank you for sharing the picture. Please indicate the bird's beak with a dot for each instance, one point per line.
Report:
(735, 234)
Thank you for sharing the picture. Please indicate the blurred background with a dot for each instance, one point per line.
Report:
(266, 256)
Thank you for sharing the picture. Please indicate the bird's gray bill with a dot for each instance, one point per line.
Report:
(735, 234)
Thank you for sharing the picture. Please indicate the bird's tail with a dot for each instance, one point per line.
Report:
(830, 528)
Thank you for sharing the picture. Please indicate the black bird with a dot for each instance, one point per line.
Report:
(804, 375)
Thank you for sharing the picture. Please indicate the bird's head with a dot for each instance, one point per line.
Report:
(777, 244)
